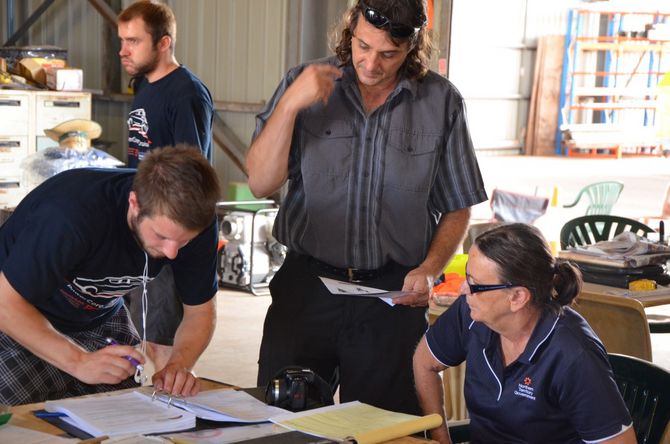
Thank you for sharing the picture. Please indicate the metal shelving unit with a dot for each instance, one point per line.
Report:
(607, 100)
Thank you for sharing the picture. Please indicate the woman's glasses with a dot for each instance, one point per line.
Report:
(474, 288)
(380, 21)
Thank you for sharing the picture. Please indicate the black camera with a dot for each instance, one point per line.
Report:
(297, 389)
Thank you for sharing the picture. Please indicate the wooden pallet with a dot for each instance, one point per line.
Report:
(600, 151)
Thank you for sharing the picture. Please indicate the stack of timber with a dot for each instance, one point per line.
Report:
(543, 112)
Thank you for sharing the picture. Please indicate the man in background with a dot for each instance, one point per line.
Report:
(381, 176)
(171, 106)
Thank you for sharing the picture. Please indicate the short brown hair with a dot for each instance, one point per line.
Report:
(178, 183)
(398, 11)
(159, 19)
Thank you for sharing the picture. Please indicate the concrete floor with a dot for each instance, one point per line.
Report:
(232, 355)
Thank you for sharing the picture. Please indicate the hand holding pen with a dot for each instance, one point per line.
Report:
(139, 368)
(132, 360)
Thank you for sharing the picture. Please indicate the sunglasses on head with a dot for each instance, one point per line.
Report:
(380, 21)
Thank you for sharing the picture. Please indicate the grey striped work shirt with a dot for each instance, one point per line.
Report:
(366, 189)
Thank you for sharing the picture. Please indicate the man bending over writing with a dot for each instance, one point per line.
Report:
(80, 241)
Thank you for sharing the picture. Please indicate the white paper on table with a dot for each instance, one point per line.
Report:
(123, 414)
(137, 439)
(12, 433)
(227, 435)
(353, 289)
(225, 405)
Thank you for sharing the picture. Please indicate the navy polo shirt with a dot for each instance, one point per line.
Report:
(560, 390)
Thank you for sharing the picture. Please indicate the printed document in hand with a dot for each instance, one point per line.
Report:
(129, 413)
(357, 421)
(353, 289)
(224, 405)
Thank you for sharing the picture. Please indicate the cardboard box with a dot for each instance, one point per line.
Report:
(65, 79)
(33, 68)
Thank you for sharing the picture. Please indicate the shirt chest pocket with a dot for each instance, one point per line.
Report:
(411, 160)
(326, 147)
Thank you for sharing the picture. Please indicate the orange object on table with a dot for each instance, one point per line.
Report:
(451, 285)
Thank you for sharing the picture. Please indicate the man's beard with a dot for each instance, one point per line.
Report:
(148, 67)
(135, 229)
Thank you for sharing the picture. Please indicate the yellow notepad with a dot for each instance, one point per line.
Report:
(358, 422)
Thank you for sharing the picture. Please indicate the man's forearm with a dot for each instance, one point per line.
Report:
(448, 237)
(26, 325)
(194, 333)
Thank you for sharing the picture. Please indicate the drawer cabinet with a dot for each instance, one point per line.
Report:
(15, 112)
(52, 108)
(13, 149)
(24, 115)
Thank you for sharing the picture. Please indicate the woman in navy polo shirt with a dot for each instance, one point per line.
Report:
(536, 372)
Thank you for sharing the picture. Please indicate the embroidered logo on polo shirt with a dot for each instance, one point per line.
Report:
(526, 390)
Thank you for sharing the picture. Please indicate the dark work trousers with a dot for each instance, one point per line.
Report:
(367, 341)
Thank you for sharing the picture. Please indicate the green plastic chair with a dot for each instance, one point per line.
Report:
(602, 197)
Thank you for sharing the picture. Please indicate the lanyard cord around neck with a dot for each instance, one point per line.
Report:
(145, 303)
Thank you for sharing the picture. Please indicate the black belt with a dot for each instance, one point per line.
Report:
(352, 274)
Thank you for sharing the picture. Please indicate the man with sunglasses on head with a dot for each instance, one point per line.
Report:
(381, 176)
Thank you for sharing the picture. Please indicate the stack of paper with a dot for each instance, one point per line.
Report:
(224, 405)
(129, 413)
(624, 250)
(357, 421)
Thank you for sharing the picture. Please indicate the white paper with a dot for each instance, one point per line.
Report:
(353, 289)
(226, 405)
(227, 435)
(11, 433)
(129, 413)
(137, 439)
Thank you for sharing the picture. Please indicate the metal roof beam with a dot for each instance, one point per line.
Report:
(28, 23)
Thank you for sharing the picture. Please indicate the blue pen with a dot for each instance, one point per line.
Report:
(44, 414)
(132, 360)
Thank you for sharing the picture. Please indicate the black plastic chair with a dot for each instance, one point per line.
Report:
(587, 230)
(645, 388)
(460, 433)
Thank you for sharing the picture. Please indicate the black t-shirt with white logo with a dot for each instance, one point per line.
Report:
(68, 250)
(175, 109)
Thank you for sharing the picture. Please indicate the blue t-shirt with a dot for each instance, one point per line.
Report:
(68, 250)
(560, 390)
(174, 109)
